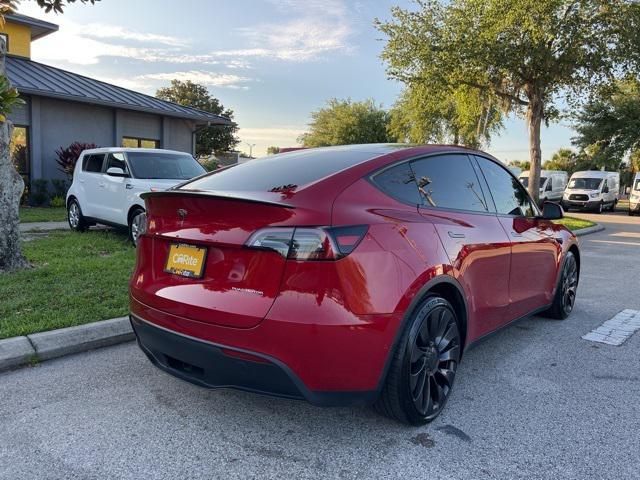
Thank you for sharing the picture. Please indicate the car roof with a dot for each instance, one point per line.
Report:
(129, 149)
(594, 174)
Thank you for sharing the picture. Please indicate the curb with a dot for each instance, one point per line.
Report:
(18, 351)
(586, 231)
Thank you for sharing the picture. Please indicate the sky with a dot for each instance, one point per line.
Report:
(271, 61)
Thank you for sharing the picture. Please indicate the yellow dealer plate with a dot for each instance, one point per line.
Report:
(186, 260)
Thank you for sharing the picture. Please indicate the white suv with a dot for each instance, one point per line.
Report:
(107, 183)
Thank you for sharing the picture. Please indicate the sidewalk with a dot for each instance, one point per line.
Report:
(43, 226)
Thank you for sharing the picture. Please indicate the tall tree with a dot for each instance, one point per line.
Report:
(609, 124)
(344, 122)
(525, 52)
(11, 183)
(570, 161)
(465, 116)
(216, 138)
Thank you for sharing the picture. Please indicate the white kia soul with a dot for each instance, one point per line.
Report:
(107, 183)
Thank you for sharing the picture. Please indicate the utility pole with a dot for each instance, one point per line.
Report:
(251, 145)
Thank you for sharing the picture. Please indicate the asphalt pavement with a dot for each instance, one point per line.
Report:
(532, 401)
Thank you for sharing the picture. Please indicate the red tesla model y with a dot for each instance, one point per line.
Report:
(345, 275)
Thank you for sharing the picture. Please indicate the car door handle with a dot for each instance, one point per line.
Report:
(456, 235)
(128, 186)
(102, 184)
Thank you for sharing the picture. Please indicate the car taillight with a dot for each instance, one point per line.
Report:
(305, 243)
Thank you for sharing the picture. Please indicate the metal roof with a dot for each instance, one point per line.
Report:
(33, 78)
(39, 28)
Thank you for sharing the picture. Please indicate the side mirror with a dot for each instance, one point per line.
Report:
(605, 190)
(116, 172)
(549, 187)
(552, 211)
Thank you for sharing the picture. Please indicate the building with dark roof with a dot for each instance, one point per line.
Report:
(62, 107)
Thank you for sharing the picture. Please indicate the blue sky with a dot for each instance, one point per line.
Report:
(272, 61)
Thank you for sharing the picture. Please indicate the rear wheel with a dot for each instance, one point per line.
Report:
(565, 297)
(76, 220)
(424, 365)
(136, 225)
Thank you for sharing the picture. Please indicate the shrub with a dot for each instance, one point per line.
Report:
(67, 157)
(39, 192)
(57, 201)
(60, 188)
(209, 165)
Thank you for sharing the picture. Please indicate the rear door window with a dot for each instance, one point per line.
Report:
(398, 182)
(93, 163)
(508, 194)
(116, 160)
(449, 181)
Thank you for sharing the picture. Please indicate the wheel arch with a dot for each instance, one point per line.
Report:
(133, 208)
(445, 286)
(70, 199)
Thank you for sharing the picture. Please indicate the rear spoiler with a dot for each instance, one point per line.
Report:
(217, 195)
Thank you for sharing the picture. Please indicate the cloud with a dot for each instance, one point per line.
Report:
(102, 31)
(318, 27)
(199, 76)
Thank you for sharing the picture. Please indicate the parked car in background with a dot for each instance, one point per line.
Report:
(592, 190)
(107, 183)
(552, 184)
(345, 275)
(634, 195)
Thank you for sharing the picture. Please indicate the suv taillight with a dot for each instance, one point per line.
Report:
(309, 243)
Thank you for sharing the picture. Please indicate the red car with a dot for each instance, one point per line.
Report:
(346, 275)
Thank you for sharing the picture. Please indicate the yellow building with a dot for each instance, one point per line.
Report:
(19, 31)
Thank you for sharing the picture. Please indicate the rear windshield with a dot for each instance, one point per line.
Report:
(152, 165)
(585, 183)
(281, 172)
(525, 181)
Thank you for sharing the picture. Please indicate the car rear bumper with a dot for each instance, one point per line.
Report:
(222, 357)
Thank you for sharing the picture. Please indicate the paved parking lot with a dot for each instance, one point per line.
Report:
(532, 401)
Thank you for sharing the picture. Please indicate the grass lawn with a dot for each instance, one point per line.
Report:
(43, 214)
(77, 278)
(573, 223)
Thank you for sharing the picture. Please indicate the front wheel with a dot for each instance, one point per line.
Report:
(565, 297)
(424, 365)
(599, 208)
(137, 224)
(75, 218)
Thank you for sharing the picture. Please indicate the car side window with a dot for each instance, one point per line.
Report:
(449, 181)
(508, 194)
(116, 160)
(398, 182)
(93, 163)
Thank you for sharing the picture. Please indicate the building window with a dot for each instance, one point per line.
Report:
(19, 150)
(6, 40)
(132, 142)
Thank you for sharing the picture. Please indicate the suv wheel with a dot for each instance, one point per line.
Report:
(424, 365)
(565, 297)
(136, 224)
(599, 208)
(76, 220)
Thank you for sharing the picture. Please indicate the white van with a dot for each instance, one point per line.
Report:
(592, 190)
(552, 184)
(634, 195)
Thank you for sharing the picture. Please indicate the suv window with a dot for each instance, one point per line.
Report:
(449, 181)
(116, 160)
(93, 163)
(508, 194)
(398, 182)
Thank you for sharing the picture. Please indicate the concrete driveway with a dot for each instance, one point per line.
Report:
(532, 401)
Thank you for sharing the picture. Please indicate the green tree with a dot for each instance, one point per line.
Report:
(216, 138)
(273, 150)
(465, 116)
(521, 164)
(609, 124)
(569, 161)
(344, 122)
(524, 52)
(11, 183)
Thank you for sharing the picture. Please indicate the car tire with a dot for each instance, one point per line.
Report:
(599, 208)
(76, 220)
(565, 297)
(136, 217)
(423, 366)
